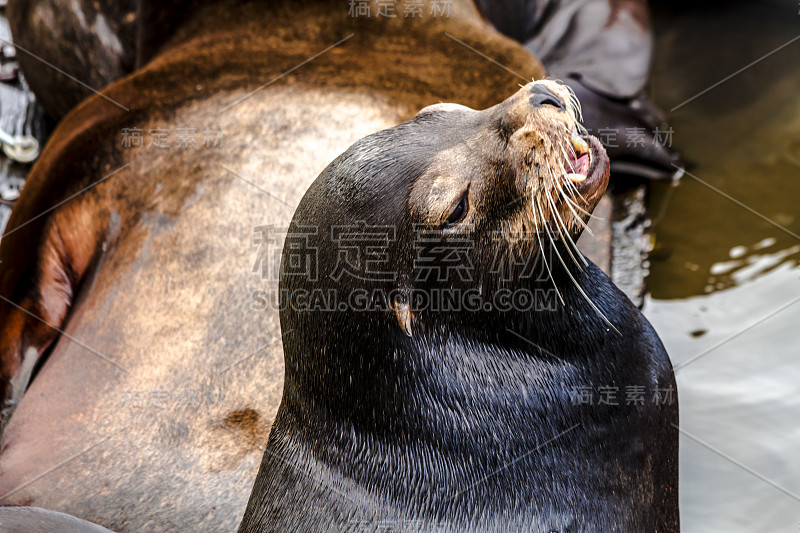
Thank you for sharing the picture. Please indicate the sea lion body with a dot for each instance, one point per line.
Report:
(150, 405)
(503, 455)
(406, 417)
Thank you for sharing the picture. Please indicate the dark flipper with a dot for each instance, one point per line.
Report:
(43, 262)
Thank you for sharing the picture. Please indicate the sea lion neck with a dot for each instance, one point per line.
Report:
(367, 354)
(448, 411)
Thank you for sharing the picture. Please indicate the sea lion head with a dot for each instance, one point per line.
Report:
(446, 203)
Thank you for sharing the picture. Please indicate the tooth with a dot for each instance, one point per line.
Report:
(579, 144)
(576, 177)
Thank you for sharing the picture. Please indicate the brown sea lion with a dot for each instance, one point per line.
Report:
(601, 48)
(127, 279)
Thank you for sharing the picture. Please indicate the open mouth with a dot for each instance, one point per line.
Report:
(587, 163)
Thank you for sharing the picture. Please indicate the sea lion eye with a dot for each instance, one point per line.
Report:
(459, 211)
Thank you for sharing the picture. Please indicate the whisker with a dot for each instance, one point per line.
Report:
(565, 233)
(571, 203)
(557, 215)
(541, 250)
(577, 285)
(566, 148)
(572, 188)
(579, 219)
(571, 185)
(575, 108)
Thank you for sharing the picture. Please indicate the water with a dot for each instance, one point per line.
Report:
(725, 282)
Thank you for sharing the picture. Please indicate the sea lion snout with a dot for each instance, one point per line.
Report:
(521, 164)
(534, 105)
(548, 98)
(544, 96)
(557, 171)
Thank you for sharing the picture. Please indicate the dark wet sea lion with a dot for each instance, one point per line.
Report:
(70, 48)
(414, 419)
(91, 41)
(151, 403)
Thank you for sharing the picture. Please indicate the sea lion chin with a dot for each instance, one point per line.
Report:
(406, 416)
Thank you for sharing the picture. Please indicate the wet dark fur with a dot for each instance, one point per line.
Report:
(450, 429)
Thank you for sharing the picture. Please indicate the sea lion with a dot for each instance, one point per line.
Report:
(142, 371)
(67, 49)
(408, 418)
(601, 48)
(72, 48)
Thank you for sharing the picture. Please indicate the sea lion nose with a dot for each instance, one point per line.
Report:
(543, 96)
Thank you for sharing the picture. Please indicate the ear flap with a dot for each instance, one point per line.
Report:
(402, 313)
